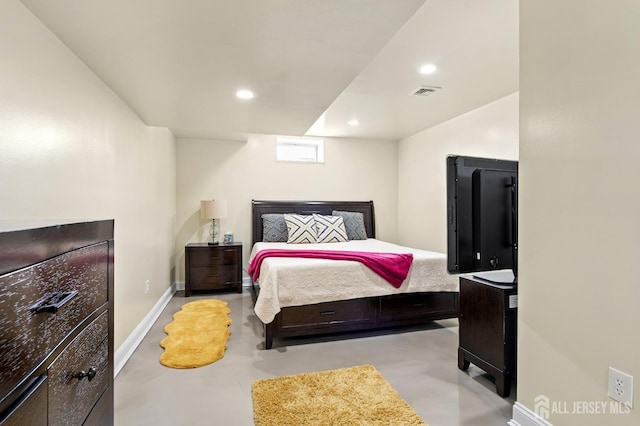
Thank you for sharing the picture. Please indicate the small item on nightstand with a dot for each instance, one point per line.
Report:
(228, 238)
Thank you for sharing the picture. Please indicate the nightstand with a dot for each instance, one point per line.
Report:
(488, 322)
(212, 267)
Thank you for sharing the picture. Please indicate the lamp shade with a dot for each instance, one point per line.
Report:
(213, 209)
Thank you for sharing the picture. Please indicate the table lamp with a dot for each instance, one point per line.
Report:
(213, 209)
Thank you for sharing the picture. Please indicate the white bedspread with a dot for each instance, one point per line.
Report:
(297, 281)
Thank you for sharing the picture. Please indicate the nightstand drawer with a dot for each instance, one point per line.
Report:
(214, 276)
(220, 256)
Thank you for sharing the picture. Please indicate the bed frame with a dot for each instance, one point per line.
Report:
(347, 315)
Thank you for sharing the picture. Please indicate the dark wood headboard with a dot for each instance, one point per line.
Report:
(260, 207)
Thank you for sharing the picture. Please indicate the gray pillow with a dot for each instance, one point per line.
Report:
(274, 228)
(354, 224)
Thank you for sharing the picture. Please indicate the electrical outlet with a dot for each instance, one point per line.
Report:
(146, 287)
(620, 387)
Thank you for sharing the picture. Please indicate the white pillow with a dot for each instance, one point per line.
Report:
(301, 228)
(330, 229)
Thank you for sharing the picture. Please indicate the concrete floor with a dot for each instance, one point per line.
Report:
(419, 362)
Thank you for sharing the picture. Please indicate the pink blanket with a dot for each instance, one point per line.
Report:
(393, 267)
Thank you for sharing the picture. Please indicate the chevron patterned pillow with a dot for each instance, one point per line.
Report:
(301, 228)
(330, 229)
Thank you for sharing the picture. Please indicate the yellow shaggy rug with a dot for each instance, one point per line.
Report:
(197, 335)
(347, 396)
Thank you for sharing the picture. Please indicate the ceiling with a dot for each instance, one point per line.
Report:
(178, 63)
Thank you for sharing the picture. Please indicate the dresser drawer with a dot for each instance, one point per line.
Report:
(415, 305)
(217, 257)
(345, 311)
(35, 315)
(71, 398)
(31, 410)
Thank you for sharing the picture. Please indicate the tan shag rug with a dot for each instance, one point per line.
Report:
(197, 335)
(347, 396)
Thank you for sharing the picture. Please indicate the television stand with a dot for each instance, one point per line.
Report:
(487, 331)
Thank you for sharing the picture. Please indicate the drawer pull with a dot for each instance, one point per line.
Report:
(89, 374)
(418, 305)
(327, 313)
(52, 302)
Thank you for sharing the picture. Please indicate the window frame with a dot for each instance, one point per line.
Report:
(286, 147)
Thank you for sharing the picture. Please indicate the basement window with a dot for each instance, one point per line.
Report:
(305, 150)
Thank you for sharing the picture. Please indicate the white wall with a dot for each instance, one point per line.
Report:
(489, 131)
(71, 149)
(239, 172)
(579, 203)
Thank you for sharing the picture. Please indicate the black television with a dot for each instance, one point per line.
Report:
(482, 218)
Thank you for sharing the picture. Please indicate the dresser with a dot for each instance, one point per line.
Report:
(212, 267)
(488, 329)
(56, 324)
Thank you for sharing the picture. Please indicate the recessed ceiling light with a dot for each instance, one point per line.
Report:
(353, 122)
(428, 69)
(245, 94)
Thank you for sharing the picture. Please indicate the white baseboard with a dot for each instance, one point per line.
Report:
(246, 282)
(125, 351)
(522, 416)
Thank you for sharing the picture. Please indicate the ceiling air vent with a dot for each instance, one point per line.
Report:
(424, 90)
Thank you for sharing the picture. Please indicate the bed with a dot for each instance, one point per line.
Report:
(304, 297)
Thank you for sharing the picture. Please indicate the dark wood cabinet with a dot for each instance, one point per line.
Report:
(488, 314)
(212, 267)
(56, 325)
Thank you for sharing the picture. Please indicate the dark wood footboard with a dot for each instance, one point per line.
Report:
(361, 314)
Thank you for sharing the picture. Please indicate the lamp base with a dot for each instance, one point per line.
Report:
(214, 233)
